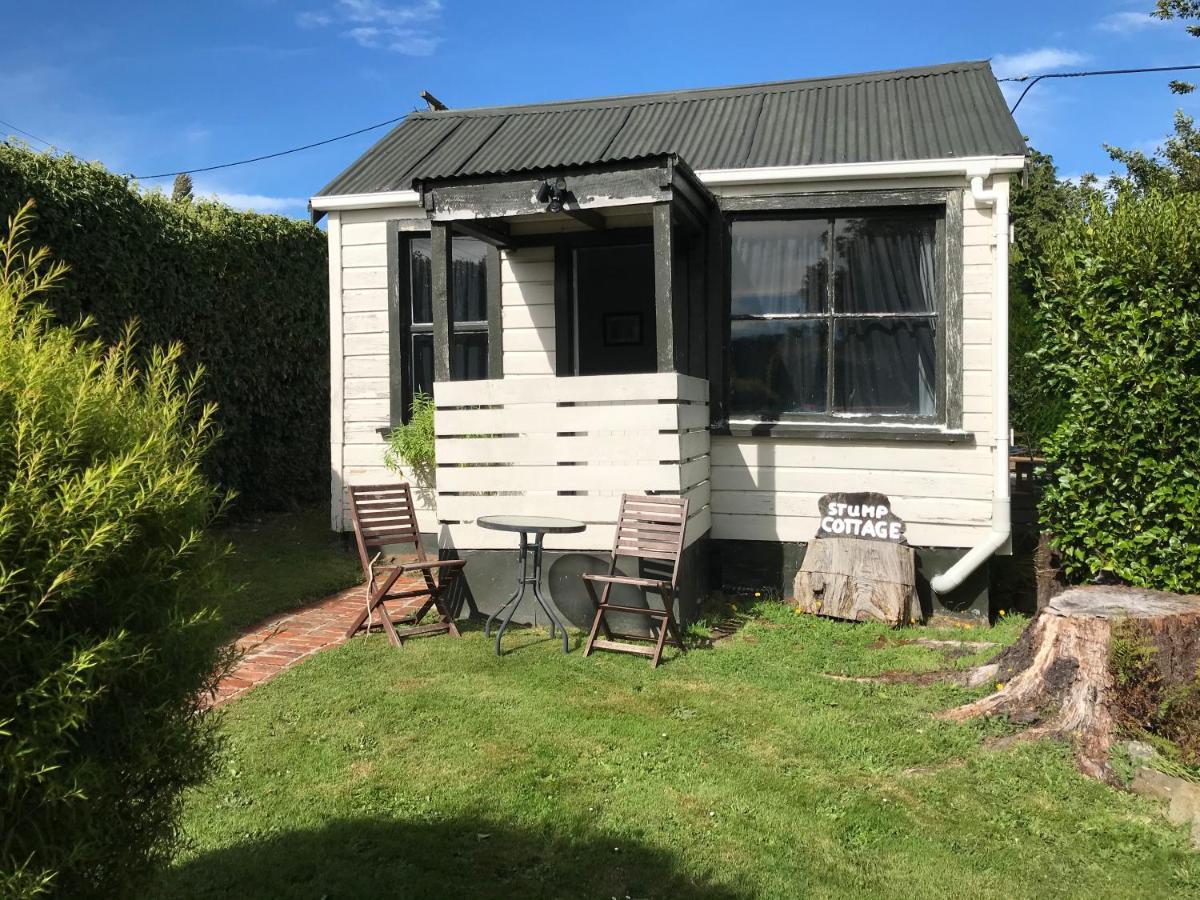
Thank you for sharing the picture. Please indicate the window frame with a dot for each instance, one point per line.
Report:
(401, 328)
(946, 207)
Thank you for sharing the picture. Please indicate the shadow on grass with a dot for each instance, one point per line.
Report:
(460, 857)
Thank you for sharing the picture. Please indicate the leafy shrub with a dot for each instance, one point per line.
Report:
(247, 295)
(106, 647)
(1119, 303)
(412, 445)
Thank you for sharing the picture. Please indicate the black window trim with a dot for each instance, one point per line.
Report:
(946, 423)
(401, 328)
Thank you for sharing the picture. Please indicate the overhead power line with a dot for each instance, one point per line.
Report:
(254, 159)
(24, 132)
(1034, 79)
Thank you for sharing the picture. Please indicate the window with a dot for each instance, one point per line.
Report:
(835, 317)
(412, 350)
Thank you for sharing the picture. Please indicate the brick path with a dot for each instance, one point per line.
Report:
(288, 638)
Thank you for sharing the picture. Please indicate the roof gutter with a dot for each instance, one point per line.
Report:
(914, 168)
(1001, 500)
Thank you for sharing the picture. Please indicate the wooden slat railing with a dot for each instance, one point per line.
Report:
(568, 447)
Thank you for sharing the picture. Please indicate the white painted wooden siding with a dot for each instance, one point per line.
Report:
(358, 322)
(761, 488)
(568, 447)
(766, 489)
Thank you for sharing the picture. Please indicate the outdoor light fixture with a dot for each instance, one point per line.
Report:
(554, 196)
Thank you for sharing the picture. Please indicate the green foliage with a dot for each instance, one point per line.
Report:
(1119, 305)
(105, 642)
(1175, 166)
(1039, 204)
(412, 445)
(245, 293)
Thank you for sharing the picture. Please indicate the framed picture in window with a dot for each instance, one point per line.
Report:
(622, 329)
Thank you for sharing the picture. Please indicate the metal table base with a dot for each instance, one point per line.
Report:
(528, 548)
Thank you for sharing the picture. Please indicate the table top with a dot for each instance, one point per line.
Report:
(530, 524)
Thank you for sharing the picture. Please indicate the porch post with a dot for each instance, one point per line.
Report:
(664, 307)
(441, 243)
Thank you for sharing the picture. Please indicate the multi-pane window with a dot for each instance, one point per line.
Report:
(834, 317)
(468, 320)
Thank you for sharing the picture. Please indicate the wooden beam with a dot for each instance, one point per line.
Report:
(592, 220)
(494, 315)
(664, 307)
(442, 242)
(496, 234)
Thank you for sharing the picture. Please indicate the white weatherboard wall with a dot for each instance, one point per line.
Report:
(766, 488)
(761, 488)
(358, 325)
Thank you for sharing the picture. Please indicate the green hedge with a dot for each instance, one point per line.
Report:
(1119, 305)
(245, 293)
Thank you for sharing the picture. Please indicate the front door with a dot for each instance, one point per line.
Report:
(614, 310)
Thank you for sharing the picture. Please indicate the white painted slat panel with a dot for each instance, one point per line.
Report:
(977, 255)
(376, 411)
(531, 363)
(364, 455)
(415, 212)
(977, 332)
(527, 317)
(825, 481)
(587, 389)
(546, 449)
(977, 279)
(367, 388)
(977, 357)
(977, 383)
(372, 277)
(365, 300)
(530, 340)
(536, 419)
(539, 268)
(977, 305)
(698, 525)
(929, 510)
(769, 528)
(365, 323)
(361, 255)
(528, 293)
(978, 422)
(363, 433)
(367, 367)
(364, 233)
(847, 456)
(634, 478)
(373, 344)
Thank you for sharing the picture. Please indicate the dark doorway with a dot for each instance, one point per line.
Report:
(614, 309)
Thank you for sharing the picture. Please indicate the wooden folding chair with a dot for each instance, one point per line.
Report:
(648, 527)
(383, 514)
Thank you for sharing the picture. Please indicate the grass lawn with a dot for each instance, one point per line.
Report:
(739, 771)
(281, 562)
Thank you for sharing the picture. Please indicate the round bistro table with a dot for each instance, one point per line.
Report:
(538, 527)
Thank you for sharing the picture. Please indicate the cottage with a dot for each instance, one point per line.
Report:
(751, 296)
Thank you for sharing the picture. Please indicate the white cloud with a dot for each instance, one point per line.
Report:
(1035, 62)
(399, 28)
(262, 203)
(1128, 22)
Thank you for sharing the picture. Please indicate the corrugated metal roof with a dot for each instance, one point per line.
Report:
(935, 112)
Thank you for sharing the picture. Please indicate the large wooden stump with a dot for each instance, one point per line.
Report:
(857, 579)
(1057, 678)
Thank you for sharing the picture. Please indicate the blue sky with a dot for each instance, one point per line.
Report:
(147, 87)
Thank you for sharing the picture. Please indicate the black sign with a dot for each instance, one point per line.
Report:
(860, 515)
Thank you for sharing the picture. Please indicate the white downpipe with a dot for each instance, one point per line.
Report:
(1001, 501)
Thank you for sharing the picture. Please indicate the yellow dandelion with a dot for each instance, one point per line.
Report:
(1002, 613)
(999, 685)
(758, 593)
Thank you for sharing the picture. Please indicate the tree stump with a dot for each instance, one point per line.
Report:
(1057, 678)
(857, 579)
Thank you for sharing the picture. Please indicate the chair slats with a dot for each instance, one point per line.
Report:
(648, 528)
(383, 514)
